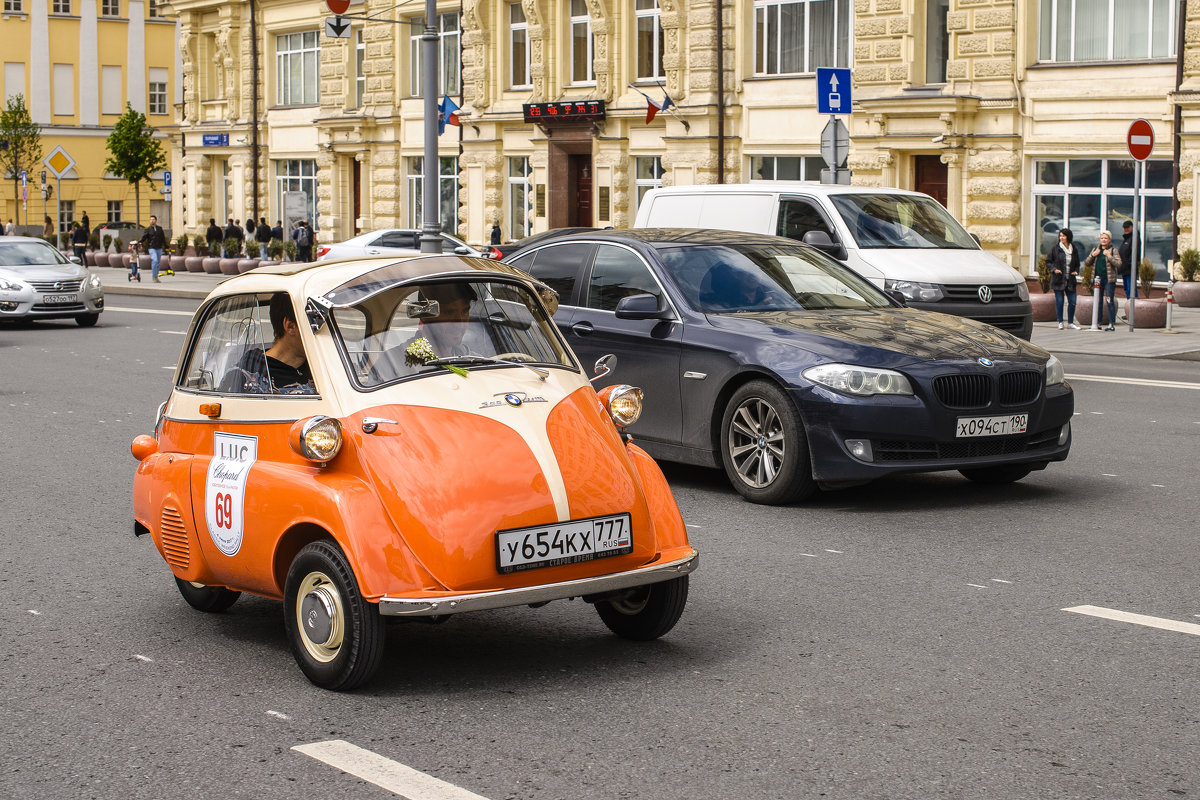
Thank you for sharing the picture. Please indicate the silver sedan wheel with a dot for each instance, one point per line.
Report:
(757, 443)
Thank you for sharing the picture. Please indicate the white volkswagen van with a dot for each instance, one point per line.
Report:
(903, 241)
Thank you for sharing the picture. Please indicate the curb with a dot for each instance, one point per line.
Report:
(146, 291)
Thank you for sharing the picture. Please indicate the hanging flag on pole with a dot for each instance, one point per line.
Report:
(654, 106)
(447, 114)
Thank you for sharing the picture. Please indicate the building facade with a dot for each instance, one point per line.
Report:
(77, 63)
(1012, 113)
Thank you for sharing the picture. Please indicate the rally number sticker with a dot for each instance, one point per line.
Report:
(225, 488)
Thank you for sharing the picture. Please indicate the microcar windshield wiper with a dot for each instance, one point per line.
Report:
(478, 359)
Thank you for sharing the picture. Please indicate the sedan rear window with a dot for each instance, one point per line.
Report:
(29, 254)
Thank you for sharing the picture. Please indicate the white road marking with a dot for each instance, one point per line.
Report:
(169, 366)
(383, 772)
(1000, 580)
(976, 585)
(1158, 486)
(175, 333)
(140, 657)
(37, 613)
(150, 311)
(279, 714)
(1137, 619)
(1136, 381)
(833, 551)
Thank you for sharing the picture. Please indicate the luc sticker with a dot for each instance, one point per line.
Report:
(225, 488)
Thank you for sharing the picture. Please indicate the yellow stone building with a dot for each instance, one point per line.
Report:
(77, 63)
(1012, 112)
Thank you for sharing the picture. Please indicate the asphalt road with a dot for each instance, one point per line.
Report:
(902, 640)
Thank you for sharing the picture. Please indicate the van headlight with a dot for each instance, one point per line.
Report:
(1054, 372)
(859, 381)
(915, 291)
(1023, 290)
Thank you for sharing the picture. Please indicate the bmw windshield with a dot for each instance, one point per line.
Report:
(899, 221)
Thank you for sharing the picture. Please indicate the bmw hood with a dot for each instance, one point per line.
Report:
(881, 336)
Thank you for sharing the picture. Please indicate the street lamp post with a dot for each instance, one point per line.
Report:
(431, 236)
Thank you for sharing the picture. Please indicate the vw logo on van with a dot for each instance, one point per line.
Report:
(985, 294)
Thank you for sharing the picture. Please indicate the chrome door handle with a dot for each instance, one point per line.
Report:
(371, 424)
(583, 328)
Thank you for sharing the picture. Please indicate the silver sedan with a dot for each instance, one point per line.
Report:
(391, 242)
(39, 282)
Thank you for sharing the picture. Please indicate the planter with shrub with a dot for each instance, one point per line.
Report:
(233, 253)
(1186, 288)
(251, 260)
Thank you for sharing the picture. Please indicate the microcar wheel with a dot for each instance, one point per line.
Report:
(213, 599)
(647, 612)
(336, 636)
(87, 320)
(1000, 474)
(763, 446)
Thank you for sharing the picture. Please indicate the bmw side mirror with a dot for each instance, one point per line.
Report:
(641, 306)
(821, 241)
(897, 296)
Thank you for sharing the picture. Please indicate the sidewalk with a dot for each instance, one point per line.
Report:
(1142, 343)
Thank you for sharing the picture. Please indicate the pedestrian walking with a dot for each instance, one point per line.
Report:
(1106, 260)
(9, 228)
(262, 234)
(86, 223)
(79, 239)
(213, 236)
(1126, 268)
(155, 239)
(135, 273)
(48, 230)
(249, 227)
(277, 231)
(303, 236)
(495, 233)
(1063, 263)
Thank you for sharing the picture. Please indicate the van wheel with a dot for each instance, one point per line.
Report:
(647, 612)
(763, 446)
(212, 599)
(1000, 474)
(336, 636)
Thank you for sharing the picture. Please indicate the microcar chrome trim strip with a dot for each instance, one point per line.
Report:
(220, 421)
(505, 598)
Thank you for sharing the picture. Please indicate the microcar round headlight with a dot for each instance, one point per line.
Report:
(623, 402)
(316, 438)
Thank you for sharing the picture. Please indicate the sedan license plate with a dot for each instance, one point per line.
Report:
(563, 543)
(969, 427)
(57, 299)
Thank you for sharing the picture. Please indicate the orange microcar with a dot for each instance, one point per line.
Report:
(401, 438)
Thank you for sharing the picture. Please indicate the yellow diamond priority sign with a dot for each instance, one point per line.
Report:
(59, 162)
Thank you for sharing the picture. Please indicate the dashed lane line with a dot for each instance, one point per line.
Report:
(1137, 619)
(1136, 381)
(150, 311)
(383, 772)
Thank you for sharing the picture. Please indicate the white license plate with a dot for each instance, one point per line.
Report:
(969, 427)
(563, 543)
(52, 299)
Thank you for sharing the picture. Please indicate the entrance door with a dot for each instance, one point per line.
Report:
(356, 193)
(929, 176)
(580, 190)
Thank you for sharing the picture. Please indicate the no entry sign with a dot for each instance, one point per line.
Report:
(1140, 139)
(338, 6)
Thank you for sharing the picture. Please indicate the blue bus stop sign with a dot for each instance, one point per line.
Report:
(833, 91)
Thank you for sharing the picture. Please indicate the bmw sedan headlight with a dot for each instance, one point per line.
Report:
(8, 285)
(915, 291)
(859, 381)
(1054, 371)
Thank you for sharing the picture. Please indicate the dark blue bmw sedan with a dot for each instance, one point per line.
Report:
(767, 358)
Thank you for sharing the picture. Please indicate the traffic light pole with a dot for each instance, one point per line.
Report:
(431, 229)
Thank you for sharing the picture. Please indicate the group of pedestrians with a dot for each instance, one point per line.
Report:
(260, 232)
(1108, 263)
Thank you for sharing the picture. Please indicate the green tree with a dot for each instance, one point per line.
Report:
(20, 142)
(134, 154)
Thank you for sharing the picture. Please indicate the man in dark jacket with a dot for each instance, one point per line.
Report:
(232, 231)
(262, 234)
(79, 238)
(213, 237)
(1126, 251)
(277, 231)
(154, 240)
(303, 236)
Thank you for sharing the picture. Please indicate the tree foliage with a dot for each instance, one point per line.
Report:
(134, 154)
(20, 142)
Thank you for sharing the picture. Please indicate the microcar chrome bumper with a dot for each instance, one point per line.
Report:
(505, 598)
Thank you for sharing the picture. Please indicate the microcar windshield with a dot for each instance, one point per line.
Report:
(412, 329)
(901, 221)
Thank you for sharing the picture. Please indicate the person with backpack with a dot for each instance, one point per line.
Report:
(303, 237)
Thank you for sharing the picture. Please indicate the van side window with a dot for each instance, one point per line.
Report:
(618, 273)
(798, 217)
(558, 267)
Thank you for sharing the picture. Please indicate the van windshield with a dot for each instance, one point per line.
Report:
(901, 222)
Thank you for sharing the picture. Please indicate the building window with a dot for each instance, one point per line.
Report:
(1106, 30)
(64, 90)
(1089, 195)
(518, 47)
(581, 43)
(66, 214)
(360, 77)
(295, 177)
(296, 59)
(447, 193)
(60, 7)
(12, 6)
(110, 8)
(797, 36)
(447, 55)
(648, 174)
(114, 211)
(937, 40)
(157, 91)
(786, 168)
(520, 198)
(152, 9)
(650, 43)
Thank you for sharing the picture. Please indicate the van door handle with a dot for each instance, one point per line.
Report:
(583, 328)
